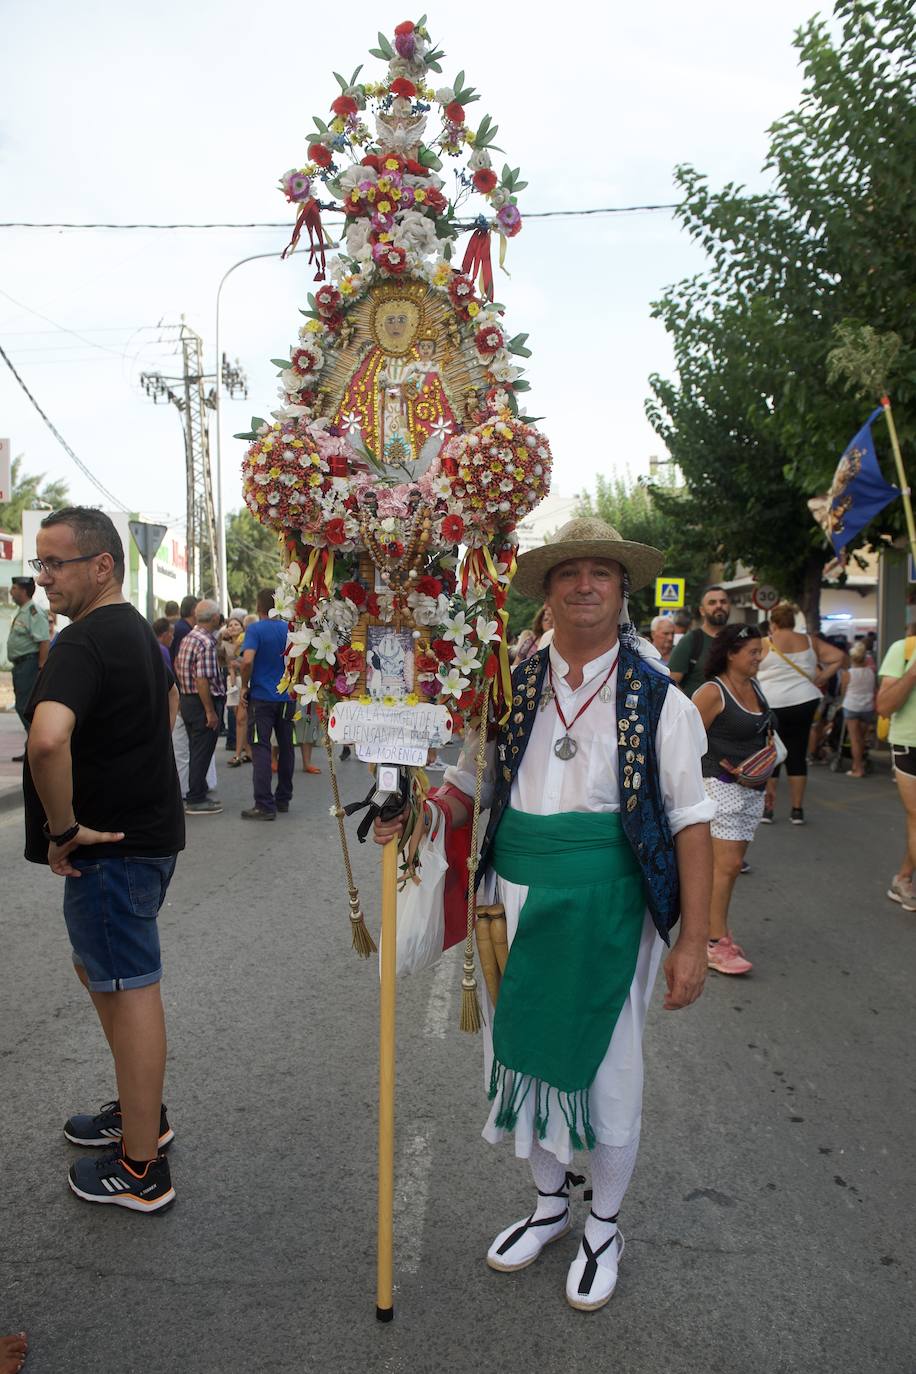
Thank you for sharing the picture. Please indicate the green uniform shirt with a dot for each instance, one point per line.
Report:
(679, 662)
(28, 630)
(903, 721)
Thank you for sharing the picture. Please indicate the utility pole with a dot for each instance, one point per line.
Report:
(190, 395)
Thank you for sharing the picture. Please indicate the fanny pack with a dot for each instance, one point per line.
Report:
(754, 771)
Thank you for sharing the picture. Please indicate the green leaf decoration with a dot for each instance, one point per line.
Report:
(340, 81)
(256, 422)
(506, 175)
(309, 315)
(522, 385)
(311, 300)
(320, 124)
(520, 350)
(377, 52)
(246, 434)
(459, 81)
(282, 363)
(356, 74)
(385, 46)
(421, 21)
(520, 186)
(434, 66)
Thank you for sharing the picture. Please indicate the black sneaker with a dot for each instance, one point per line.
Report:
(283, 806)
(203, 808)
(258, 813)
(105, 1127)
(798, 816)
(111, 1179)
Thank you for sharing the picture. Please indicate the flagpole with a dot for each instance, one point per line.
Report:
(901, 475)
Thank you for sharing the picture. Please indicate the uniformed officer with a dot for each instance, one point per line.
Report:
(26, 645)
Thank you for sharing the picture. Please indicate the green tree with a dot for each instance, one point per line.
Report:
(26, 488)
(653, 513)
(755, 420)
(253, 558)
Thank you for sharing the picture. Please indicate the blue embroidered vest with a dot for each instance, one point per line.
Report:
(640, 696)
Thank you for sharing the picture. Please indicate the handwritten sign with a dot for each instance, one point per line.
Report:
(391, 734)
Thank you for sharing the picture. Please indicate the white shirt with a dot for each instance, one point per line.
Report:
(783, 685)
(545, 784)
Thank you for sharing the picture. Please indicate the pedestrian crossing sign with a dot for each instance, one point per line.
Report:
(669, 593)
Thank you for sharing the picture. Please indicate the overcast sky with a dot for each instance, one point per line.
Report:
(168, 112)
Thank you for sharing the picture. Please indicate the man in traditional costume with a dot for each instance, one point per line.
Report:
(597, 844)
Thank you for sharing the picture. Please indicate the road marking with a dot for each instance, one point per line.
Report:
(441, 998)
(412, 1195)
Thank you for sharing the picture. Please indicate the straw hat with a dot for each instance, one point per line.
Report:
(586, 537)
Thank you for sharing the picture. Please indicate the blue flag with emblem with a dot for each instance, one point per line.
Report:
(858, 490)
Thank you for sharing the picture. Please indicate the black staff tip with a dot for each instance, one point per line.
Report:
(384, 1314)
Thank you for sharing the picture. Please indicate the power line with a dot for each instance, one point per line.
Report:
(62, 441)
(285, 224)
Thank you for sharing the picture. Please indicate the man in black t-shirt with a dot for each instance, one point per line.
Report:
(103, 808)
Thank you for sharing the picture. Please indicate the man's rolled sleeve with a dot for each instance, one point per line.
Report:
(681, 743)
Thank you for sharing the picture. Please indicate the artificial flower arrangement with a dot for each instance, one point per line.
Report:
(399, 464)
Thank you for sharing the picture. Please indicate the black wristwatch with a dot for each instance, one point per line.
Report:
(65, 837)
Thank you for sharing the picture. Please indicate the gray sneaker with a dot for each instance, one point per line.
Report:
(901, 891)
(258, 813)
(203, 808)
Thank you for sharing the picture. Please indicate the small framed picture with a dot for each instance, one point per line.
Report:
(389, 662)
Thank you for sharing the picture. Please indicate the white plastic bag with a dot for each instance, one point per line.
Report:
(421, 908)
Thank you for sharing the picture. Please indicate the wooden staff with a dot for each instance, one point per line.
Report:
(901, 475)
(384, 1309)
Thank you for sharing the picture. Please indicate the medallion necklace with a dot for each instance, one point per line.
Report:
(567, 748)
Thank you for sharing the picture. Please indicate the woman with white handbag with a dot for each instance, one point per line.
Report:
(794, 669)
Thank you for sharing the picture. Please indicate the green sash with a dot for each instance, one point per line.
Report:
(570, 964)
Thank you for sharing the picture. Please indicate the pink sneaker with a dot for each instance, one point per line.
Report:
(723, 957)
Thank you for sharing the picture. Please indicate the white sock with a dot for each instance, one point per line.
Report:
(612, 1168)
(549, 1177)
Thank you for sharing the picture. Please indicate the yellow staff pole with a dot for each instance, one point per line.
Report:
(384, 1309)
(901, 475)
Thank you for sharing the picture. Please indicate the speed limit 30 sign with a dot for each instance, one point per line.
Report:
(765, 597)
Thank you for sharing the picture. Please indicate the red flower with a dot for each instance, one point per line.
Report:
(444, 650)
(467, 699)
(320, 672)
(304, 607)
(350, 660)
(344, 106)
(491, 667)
(390, 259)
(320, 154)
(403, 87)
(394, 548)
(372, 160)
(327, 298)
(489, 339)
(426, 663)
(449, 467)
(372, 605)
(454, 112)
(334, 531)
(406, 27)
(355, 592)
(435, 200)
(453, 528)
(428, 586)
(416, 169)
(485, 180)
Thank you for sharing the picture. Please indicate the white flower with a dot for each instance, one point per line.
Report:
(352, 177)
(445, 95)
(424, 608)
(415, 233)
(478, 159)
(389, 524)
(503, 370)
(453, 684)
(358, 245)
(324, 646)
(498, 198)
(486, 630)
(466, 660)
(441, 486)
(298, 641)
(308, 691)
(457, 628)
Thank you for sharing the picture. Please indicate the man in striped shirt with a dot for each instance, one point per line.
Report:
(202, 688)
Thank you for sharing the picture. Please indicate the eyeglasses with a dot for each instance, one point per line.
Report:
(54, 565)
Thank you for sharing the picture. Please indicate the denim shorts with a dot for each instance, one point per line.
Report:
(111, 915)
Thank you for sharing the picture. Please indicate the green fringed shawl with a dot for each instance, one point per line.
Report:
(571, 962)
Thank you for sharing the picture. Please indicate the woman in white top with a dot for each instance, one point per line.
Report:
(859, 683)
(793, 671)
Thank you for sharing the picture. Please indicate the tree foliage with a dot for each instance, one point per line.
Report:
(253, 558)
(755, 419)
(26, 488)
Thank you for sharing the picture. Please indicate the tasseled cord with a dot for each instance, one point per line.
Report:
(471, 1019)
(363, 942)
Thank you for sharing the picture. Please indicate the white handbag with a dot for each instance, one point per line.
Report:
(421, 907)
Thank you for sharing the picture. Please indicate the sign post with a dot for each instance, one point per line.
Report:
(148, 538)
(669, 593)
(6, 472)
(764, 597)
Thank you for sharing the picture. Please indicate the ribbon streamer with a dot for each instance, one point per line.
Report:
(310, 219)
(477, 260)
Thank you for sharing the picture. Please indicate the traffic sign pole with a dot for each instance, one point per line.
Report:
(148, 539)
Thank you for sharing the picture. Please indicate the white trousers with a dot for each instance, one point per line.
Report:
(182, 753)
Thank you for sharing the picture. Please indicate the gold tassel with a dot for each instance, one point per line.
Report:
(470, 1019)
(362, 941)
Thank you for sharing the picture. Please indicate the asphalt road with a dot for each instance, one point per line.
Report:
(769, 1224)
